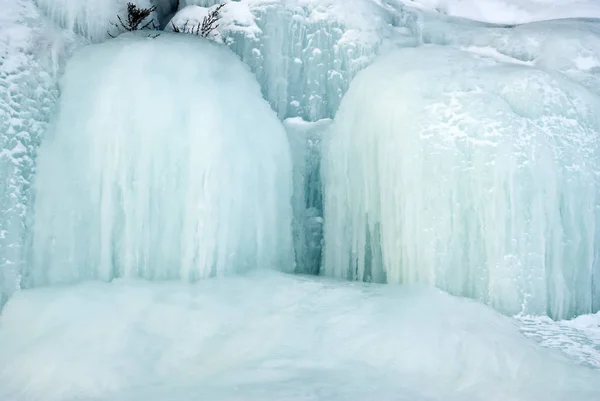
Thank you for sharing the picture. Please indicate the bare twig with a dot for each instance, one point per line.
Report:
(136, 18)
(204, 28)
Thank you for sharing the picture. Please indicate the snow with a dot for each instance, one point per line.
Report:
(510, 11)
(271, 336)
(93, 19)
(178, 169)
(479, 177)
(587, 63)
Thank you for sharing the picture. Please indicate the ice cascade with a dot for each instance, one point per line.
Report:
(167, 164)
(479, 177)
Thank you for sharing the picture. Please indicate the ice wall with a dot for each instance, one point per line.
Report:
(303, 52)
(167, 164)
(31, 53)
(477, 176)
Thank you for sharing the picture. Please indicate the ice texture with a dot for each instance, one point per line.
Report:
(272, 336)
(578, 338)
(31, 53)
(303, 52)
(306, 142)
(479, 177)
(176, 169)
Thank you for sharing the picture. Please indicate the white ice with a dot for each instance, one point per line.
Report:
(167, 164)
(479, 177)
(272, 336)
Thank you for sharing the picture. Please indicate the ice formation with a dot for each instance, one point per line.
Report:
(482, 178)
(31, 54)
(306, 143)
(273, 337)
(168, 164)
(92, 19)
(303, 52)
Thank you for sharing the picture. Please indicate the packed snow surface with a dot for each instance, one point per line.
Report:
(167, 164)
(272, 336)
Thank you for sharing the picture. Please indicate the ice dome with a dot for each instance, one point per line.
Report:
(166, 163)
(477, 176)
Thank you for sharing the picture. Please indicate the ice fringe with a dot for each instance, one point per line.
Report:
(478, 177)
(176, 169)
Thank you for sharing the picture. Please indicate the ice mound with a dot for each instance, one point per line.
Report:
(166, 163)
(479, 177)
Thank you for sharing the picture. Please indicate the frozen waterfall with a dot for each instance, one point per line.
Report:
(144, 174)
(479, 177)
(323, 200)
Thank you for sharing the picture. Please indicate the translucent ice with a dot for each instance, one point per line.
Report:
(306, 143)
(167, 164)
(477, 176)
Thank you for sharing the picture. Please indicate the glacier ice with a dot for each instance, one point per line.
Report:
(270, 336)
(168, 164)
(479, 177)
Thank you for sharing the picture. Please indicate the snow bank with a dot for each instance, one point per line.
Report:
(479, 177)
(272, 337)
(167, 164)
